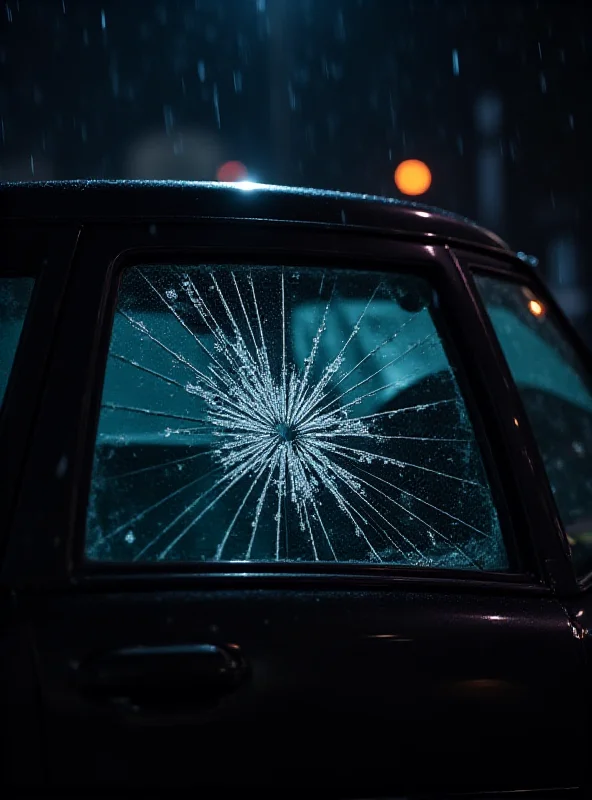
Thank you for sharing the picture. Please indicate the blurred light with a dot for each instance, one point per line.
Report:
(246, 186)
(232, 172)
(531, 260)
(536, 309)
(413, 177)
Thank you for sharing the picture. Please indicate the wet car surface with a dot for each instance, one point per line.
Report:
(296, 487)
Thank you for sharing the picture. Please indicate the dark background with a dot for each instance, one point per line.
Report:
(494, 95)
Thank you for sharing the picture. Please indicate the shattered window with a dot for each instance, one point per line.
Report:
(15, 294)
(269, 414)
(556, 391)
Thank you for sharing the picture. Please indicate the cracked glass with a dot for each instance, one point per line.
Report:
(275, 414)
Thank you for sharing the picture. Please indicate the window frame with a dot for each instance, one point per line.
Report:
(529, 280)
(106, 252)
(43, 253)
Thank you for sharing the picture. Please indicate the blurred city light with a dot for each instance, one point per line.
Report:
(528, 259)
(536, 309)
(413, 177)
(232, 172)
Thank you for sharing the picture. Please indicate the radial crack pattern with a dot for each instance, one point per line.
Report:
(326, 425)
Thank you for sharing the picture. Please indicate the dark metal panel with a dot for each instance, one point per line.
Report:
(158, 200)
(359, 693)
(45, 254)
(22, 756)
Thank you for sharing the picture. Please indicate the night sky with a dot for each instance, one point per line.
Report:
(325, 93)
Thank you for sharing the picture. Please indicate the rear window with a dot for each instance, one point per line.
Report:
(15, 294)
(270, 414)
(556, 390)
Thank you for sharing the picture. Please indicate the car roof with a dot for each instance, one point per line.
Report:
(84, 200)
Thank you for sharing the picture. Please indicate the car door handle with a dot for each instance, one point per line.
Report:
(169, 673)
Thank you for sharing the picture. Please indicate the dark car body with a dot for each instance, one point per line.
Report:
(350, 676)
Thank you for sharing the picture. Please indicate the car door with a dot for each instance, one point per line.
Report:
(271, 533)
(34, 262)
(552, 371)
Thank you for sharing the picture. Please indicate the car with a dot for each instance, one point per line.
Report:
(297, 492)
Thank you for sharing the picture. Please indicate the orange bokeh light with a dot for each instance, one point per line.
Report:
(536, 309)
(413, 177)
(232, 172)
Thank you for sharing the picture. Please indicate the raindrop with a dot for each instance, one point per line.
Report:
(62, 467)
(292, 97)
(217, 105)
(169, 120)
(340, 27)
